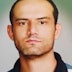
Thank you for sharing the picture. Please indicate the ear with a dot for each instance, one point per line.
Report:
(58, 31)
(10, 32)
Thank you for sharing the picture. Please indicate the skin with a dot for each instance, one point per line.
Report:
(33, 33)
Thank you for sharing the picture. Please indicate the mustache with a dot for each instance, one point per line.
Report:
(33, 37)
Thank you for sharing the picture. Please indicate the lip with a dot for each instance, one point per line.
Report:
(33, 41)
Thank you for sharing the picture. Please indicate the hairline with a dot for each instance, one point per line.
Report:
(50, 1)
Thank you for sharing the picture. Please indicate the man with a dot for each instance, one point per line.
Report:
(33, 29)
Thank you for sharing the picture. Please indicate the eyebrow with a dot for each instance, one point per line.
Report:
(36, 18)
(21, 19)
(43, 18)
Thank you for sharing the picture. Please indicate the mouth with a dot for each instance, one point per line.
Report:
(33, 41)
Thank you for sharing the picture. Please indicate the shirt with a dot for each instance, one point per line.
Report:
(61, 66)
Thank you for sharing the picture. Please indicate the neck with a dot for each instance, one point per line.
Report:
(45, 63)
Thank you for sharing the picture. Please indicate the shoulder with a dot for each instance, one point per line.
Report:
(16, 67)
(12, 70)
(69, 67)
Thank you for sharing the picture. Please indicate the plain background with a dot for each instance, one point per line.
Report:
(8, 52)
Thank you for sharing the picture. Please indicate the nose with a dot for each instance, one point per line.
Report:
(32, 29)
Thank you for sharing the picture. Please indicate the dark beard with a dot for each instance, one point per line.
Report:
(31, 57)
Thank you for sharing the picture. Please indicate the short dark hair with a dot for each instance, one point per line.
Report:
(11, 12)
(55, 12)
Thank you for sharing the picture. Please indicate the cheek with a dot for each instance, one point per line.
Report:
(19, 33)
(47, 32)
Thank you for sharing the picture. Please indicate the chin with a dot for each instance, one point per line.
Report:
(34, 55)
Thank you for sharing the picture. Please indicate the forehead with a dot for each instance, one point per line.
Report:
(32, 7)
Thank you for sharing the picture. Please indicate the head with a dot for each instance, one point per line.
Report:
(55, 11)
(34, 26)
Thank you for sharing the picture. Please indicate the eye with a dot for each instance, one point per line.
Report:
(42, 22)
(22, 23)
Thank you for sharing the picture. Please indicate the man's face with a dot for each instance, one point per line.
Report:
(33, 28)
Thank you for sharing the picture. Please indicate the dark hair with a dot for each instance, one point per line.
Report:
(55, 13)
(11, 12)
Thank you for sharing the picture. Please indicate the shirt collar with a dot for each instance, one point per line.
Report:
(61, 67)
